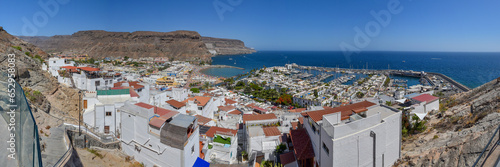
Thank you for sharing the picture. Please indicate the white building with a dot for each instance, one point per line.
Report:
(423, 104)
(360, 134)
(55, 64)
(261, 140)
(222, 145)
(170, 140)
(100, 109)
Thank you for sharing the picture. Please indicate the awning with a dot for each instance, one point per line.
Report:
(401, 100)
(201, 163)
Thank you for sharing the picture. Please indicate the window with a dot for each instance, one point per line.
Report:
(108, 113)
(106, 129)
(325, 148)
(97, 83)
(106, 82)
(192, 150)
(200, 108)
(84, 104)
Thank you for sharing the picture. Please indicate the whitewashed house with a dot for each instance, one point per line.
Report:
(159, 138)
(100, 109)
(360, 134)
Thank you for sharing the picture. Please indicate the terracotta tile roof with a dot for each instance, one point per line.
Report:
(301, 120)
(176, 103)
(259, 109)
(133, 84)
(346, 110)
(229, 101)
(301, 144)
(287, 158)
(227, 108)
(235, 112)
(89, 69)
(425, 97)
(200, 100)
(144, 105)
(271, 131)
(258, 117)
(297, 110)
(133, 93)
(202, 120)
(164, 113)
(157, 122)
(218, 130)
(69, 67)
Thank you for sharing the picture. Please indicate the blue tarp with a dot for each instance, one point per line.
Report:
(201, 163)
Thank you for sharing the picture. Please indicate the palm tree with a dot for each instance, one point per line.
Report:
(206, 86)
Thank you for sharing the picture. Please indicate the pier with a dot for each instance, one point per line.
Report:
(223, 66)
(407, 73)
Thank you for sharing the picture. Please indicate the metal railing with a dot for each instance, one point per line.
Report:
(487, 145)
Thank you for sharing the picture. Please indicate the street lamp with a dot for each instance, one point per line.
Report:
(79, 112)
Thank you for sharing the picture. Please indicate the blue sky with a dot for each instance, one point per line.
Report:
(421, 25)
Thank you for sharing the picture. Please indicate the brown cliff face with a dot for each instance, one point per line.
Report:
(58, 103)
(227, 46)
(177, 45)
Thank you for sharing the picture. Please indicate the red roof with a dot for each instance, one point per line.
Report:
(301, 120)
(258, 117)
(346, 110)
(297, 110)
(425, 97)
(176, 103)
(202, 120)
(89, 69)
(69, 67)
(157, 122)
(218, 130)
(229, 101)
(200, 100)
(133, 84)
(235, 112)
(133, 93)
(164, 113)
(271, 131)
(144, 105)
(287, 158)
(227, 108)
(301, 144)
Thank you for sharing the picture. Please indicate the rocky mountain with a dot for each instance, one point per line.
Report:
(456, 136)
(226, 46)
(57, 103)
(177, 45)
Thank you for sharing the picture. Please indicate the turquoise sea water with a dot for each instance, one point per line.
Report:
(470, 69)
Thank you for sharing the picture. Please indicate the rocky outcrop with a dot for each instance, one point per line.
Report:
(177, 45)
(57, 103)
(457, 136)
(226, 46)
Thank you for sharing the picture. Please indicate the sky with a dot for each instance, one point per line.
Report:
(319, 25)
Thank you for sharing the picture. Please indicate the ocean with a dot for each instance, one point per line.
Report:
(468, 68)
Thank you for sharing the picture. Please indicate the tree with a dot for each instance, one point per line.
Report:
(360, 94)
(125, 58)
(195, 90)
(247, 90)
(206, 86)
(316, 93)
(264, 83)
(280, 148)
